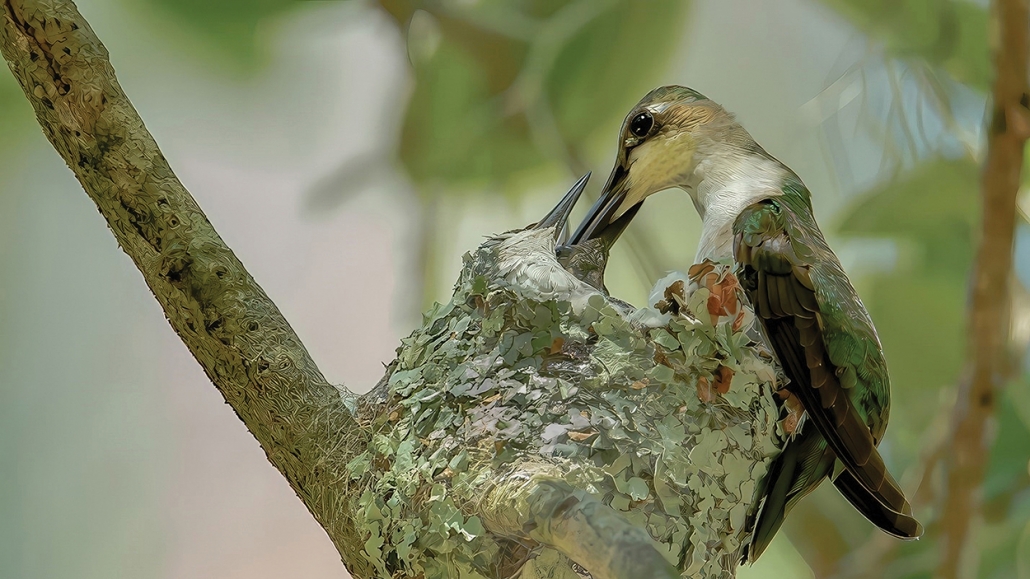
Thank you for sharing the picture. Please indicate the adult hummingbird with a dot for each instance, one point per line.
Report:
(757, 213)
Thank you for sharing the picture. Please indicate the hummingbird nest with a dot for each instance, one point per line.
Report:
(530, 386)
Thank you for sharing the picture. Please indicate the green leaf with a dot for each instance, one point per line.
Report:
(949, 34)
(1023, 554)
(473, 528)
(228, 25)
(1010, 454)
(611, 62)
(479, 286)
(359, 466)
(620, 503)
(664, 339)
(935, 206)
(489, 109)
(662, 374)
(637, 489)
(455, 129)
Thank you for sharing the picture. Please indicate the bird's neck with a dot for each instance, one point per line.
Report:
(722, 185)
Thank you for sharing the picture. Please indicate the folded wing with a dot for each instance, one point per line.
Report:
(822, 362)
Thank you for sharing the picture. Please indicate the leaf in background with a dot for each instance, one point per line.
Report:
(1019, 396)
(1023, 554)
(227, 24)
(455, 130)
(1005, 492)
(488, 105)
(949, 34)
(935, 206)
(15, 112)
(1007, 467)
(612, 62)
(919, 309)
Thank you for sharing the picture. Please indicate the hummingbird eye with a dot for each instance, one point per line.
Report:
(641, 124)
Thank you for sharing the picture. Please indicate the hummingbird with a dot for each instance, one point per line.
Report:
(757, 215)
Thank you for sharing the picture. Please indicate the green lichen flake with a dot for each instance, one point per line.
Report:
(495, 380)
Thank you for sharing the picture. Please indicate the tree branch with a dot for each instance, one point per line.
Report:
(530, 426)
(989, 364)
(576, 524)
(231, 327)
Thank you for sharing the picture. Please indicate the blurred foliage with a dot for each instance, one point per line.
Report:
(229, 25)
(950, 35)
(1006, 492)
(15, 112)
(503, 89)
(490, 103)
(1007, 471)
(931, 214)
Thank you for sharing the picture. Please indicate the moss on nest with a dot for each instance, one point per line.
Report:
(672, 424)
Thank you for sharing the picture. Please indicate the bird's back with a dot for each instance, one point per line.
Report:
(849, 336)
(823, 337)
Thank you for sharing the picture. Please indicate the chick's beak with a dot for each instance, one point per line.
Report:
(559, 216)
(604, 219)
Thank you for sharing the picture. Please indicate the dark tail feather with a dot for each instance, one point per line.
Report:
(835, 415)
(805, 457)
(900, 525)
(769, 515)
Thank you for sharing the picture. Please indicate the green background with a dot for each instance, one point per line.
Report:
(350, 152)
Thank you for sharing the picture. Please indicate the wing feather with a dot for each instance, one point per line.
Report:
(823, 360)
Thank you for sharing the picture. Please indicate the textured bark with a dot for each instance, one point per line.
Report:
(989, 364)
(515, 433)
(231, 327)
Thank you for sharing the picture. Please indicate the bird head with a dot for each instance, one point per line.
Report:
(662, 140)
(536, 258)
(528, 258)
(557, 218)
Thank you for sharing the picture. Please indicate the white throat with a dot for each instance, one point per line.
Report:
(721, 187)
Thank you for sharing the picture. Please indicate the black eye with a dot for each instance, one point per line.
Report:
(641, 124)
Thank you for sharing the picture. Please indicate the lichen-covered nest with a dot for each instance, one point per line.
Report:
(527, 375)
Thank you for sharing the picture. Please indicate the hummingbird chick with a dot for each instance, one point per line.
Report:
(527, 258)
(588, 258)
(757, 216)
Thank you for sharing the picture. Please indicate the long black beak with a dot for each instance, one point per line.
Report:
(599, 220)
(559, 216)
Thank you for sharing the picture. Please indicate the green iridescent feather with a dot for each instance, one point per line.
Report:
(814, 320)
